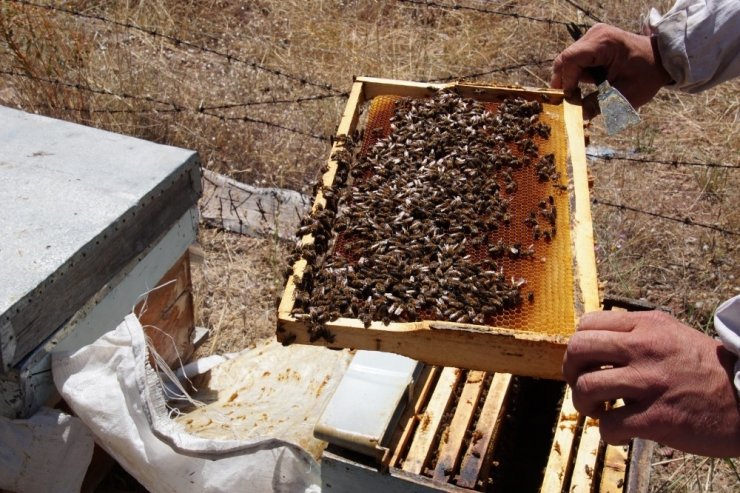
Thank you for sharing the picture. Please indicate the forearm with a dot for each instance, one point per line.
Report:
(698, 42)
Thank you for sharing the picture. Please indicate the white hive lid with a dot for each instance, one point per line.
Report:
(74, 200)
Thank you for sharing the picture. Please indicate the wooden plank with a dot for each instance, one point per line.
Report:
(348, 123)
(429, 421)
(254, 211)
(410, 418)
(562, 451)
(586, 459)
(452, 440)
(486, 431)
(440, 343)
(582, 228)
(374, 86)
(167, 314)
(614, 469)
(641, 454)
(347, 126)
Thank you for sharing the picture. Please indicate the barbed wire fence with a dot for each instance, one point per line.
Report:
(672, 162)
(481, 10)
(330, 92)
(683, 220)
(229, 57)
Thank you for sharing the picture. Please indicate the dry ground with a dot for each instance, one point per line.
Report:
(217, 76)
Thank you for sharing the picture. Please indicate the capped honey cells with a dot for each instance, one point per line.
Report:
(447, 209)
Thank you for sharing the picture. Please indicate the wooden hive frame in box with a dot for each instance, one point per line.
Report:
(474, 411)
(486, 348)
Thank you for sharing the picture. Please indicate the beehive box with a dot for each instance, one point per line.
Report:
(465, 431)
(97, 224)
(492, 196)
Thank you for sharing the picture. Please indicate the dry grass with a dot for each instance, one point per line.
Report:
(687, 268)
(235, 287)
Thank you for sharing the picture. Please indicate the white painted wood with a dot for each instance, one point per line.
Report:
(24, 389)
(78, 204)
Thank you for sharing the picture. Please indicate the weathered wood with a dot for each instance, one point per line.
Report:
(99, 260)
(254, 211)
(562, 451)
(585, 465)
(410, 418)
(437, 343)
(641, 453)
(420, 449)
(167, 315)
(373, 86)
(486, 431)
(614, 469)
(582, 228)
(452, 440)
(81, 203)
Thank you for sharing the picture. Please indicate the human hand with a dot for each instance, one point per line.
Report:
(632, 66)
(676, 383)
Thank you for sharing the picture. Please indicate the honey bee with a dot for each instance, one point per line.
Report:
(396, 244)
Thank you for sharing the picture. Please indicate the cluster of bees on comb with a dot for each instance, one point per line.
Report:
(410, 227)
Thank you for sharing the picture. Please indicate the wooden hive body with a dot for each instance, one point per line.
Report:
(468, 430)
(96, 220)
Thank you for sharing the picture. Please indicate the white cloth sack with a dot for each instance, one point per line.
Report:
(112, 388)
(50, 451)
(698, 42)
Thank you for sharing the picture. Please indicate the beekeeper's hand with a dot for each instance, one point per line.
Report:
(676, 383)
(631, 60)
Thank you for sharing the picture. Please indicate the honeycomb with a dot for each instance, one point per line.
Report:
(548, 305)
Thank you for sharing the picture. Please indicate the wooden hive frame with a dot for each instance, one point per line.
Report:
(455, 344)
(428, 448)
(429, 451)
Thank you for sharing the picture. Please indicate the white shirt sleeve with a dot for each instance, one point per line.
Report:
(698, 41)
(727, 324)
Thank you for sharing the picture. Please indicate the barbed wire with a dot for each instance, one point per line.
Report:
(672, 162)
(177, 42)
(223, 118)
(491, 71)
(249, 119)
(83, 87)
(585, 11)
(684, 220)
(456, 6)
(275, 101)
(173, 107)
(131, 111)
